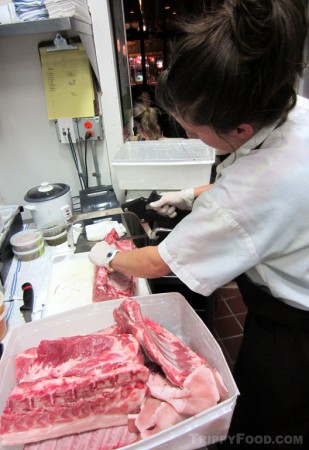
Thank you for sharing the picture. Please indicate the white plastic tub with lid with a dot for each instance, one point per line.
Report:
(173, 312)
(27, 240)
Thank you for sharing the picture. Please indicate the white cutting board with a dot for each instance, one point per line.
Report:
(71, 281)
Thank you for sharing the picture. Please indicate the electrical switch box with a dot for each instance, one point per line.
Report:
(90, 128)
(67, 130)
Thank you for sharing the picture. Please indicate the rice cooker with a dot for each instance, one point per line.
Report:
(49, 203)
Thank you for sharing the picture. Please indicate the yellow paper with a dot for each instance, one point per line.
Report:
(68, 83)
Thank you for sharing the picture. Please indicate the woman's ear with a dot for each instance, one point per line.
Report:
(243, 132)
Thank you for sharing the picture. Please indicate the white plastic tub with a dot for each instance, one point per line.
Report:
(164, 164)
(171, 311)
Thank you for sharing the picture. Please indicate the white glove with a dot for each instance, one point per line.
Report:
(171, 200)
(99, 251)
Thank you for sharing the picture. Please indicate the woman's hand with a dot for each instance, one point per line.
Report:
(99, 251)
(171, 200)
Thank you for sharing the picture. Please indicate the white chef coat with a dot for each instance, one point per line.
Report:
(255, 219)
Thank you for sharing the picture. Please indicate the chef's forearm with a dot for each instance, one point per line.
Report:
(144, 262)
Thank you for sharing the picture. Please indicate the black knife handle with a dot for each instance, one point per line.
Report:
(27, 297)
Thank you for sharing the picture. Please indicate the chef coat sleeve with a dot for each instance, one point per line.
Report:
(208, 248)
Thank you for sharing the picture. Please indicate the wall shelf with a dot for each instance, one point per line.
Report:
(45, 26)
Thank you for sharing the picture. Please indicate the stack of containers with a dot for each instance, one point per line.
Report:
(28, 244)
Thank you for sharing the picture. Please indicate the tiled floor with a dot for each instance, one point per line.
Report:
(229, 316)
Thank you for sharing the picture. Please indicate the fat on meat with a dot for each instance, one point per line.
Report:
(30, 434)
(111, 285)
(164, 417)
(102, 439)
(199, 391)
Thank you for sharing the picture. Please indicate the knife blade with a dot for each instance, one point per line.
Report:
(27, 307)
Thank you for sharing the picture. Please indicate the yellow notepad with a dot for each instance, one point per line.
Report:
(68, 83)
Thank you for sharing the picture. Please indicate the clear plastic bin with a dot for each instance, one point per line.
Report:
(164, 164)
(172, 311)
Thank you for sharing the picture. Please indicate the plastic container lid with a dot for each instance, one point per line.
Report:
(26, 238)
(184, 151)
(46, 191)
(29, 252)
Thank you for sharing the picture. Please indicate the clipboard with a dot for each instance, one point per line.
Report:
(61, 44)
(68, 80)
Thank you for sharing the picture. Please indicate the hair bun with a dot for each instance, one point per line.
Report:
(252, 22)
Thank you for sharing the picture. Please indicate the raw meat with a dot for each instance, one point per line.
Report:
(105, 438)
(77, 356)
(199, 391)
(175, 358)
(56, 429)
(164, 417)
(75, 384)
(170, 404)
(108, 286)
(82, 383)
(112, 387)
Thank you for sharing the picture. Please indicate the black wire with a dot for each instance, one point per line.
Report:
(86, 164)
(72, 148)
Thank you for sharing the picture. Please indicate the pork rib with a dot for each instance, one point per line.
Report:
(75, 384)
(77, 356)
(175, 358)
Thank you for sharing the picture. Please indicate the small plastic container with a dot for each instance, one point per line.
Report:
(26, 241)
(28, 244)
(31, 254)
(58, 239)
(54, 233)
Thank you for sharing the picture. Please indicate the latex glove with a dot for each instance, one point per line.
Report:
(171, 200)
(99, 251)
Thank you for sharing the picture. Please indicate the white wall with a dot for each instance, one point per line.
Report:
(110, 100)
(29, 149)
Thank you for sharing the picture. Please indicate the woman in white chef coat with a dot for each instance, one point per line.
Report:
(231, 84)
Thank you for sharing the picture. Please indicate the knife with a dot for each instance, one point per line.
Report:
(26, 308)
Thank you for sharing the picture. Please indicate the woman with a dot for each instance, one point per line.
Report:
(146, 122)
(231, 84)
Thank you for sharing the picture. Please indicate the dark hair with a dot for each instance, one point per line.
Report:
(238, 64)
